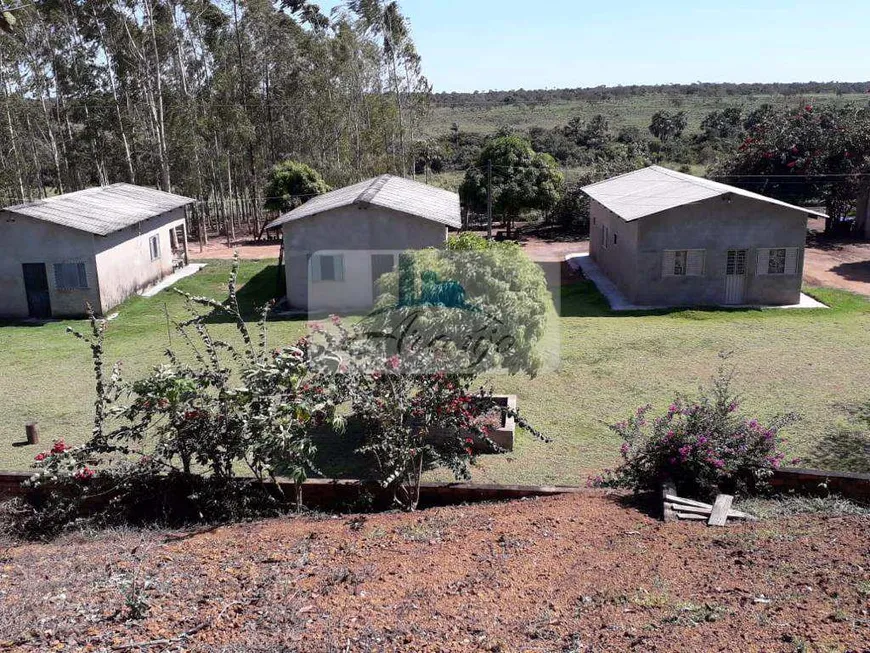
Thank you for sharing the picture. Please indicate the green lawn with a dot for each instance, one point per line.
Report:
(807, 361)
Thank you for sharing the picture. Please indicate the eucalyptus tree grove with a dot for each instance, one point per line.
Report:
(203, 97)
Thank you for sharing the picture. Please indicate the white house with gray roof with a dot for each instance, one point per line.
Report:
(665, 238)
(91, 247)
(338, 244)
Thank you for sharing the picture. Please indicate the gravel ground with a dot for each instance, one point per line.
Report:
(571, 573)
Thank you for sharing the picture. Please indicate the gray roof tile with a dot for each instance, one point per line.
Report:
(655, 189)
(102, 210)
(386, 191)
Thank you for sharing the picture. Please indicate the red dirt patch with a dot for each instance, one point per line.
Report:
(217, 249)
(550, 574)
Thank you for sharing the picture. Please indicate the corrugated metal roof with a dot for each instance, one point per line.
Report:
(102, 210)
(656, 189)
(389, 192)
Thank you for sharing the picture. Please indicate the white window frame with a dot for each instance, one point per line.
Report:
(154, 247)
(70, 276)
(790, 261)
(337, 268)
(694, 262)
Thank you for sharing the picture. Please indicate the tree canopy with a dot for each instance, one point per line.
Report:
(291, 184)
(665, 125)
(522, 180)
(203, 97)
(808, 154)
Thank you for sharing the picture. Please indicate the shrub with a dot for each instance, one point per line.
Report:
(703, 445)
(418, 412)
(486, 297)
(221, 409)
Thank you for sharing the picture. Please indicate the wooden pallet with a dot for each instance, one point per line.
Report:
(676, 508)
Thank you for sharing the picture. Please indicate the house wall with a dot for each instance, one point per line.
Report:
(355, 232)
(717, 225)
(25, 240)
(617, 260)
(123, 258)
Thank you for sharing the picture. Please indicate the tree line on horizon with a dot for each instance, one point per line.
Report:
(455, 99)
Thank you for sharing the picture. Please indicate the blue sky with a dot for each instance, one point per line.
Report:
(471, 45)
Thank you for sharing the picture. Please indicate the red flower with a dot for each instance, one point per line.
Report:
(469, 440)
(809, 107)
(40, 456)
(469, 451)
(59, 447)
(85, 472)
(790, 164)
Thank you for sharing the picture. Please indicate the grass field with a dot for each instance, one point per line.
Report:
(805, 361)
(636, 110)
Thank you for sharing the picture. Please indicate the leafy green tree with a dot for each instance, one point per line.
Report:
(805, 155)
(291, 184)
(666, 126)
(522, 180)
(726, 123)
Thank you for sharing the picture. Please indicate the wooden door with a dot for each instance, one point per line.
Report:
(36, 287)
(735, 276)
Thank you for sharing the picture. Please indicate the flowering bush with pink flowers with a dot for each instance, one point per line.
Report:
(704, 445)
(417, 411)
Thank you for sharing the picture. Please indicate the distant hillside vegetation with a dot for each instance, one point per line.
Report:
(604, 93)
(522, 110)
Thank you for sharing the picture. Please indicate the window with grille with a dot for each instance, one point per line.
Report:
(778, 260)
(736, 262)
(154, 246)
(70, 276)
(683, 263)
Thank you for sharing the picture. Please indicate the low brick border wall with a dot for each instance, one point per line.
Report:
(851, 485)
(321, 493)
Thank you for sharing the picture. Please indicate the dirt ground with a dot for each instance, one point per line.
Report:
(828, 262)
(573, 573)
(836, 263)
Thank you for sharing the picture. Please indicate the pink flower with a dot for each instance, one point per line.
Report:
(393, 362)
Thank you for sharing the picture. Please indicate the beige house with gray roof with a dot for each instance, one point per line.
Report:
(665, 238)
(91, 247)
(338, 244)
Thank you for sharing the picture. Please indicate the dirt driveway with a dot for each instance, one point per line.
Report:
(833, 263)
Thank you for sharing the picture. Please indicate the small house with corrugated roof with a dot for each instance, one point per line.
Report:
(337, 245)
(92, 247)
(666, 238)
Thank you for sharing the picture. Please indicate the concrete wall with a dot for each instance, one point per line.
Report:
(618, 259)
(117, 265)
(123, 258)
(25, 240)
(347, 230)
(717, 225)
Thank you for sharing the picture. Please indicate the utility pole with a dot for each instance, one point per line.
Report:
(489, 200)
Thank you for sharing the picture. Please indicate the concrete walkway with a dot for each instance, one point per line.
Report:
(167, 282)
(618, 301)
